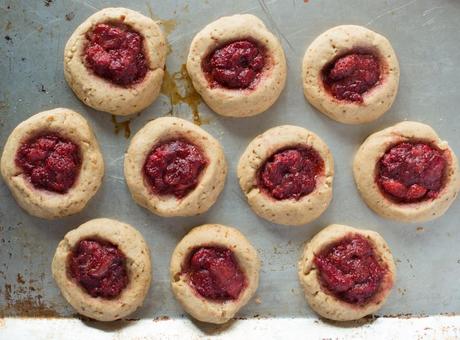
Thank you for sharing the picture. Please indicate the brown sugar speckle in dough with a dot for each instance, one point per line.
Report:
(210, 183)
(102, 94)
(138, 265)
(322, 301)
(238, 102)
(42, 203)
(369, 155)
(334, 44)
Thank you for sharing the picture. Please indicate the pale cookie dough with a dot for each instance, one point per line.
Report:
(214, 235)
(138, 263)
(238, 102)
(328, 305)
(368, 156)
(43, 203)
(334, 43)
(212, 178)
(102, 94)
(286, 211)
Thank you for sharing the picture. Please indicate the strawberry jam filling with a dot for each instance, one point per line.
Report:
(50, 162)
(115, 53)
(236, 65)
(174, 167)
(291, 173)
(411, 172)
(99, 267)
(349, 269)
(214, 273)
(350, 76)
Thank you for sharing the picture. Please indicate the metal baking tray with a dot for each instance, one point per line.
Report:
(424, 34)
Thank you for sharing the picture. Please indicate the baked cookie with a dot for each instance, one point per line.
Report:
(346, 273)
(237, 66)
(407, 173)
(52, 163)
(286, 174)
(103, 269)
(214, 272)
(351, 74)
(114, 61)
(175, 168)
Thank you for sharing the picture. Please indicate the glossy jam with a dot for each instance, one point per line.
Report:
(291, 173)
(236, 65)
(50, 162)
(116, 53)
(350, 270)
(99, 267)
(411, 172)
(214, 273)
(174, 168)
(350, 76)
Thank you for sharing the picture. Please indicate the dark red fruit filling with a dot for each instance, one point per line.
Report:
(411, 172)
(291, 173)
(350, 76)
(99, 267)
(350, 270)
(50, 162)
(236, 65)
(116, 53)
(214, 273)
(173, 168)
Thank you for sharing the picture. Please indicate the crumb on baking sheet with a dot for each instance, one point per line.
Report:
(69, 16)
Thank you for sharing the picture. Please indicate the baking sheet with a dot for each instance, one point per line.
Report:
(424, 34)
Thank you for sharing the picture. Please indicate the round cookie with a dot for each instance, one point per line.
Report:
(137, 264)
(366, 168)
(305, 206)
(209, 177)
(99, 84)
(40, 182)
(240, 88)
(244, 254)
(324, 302)
(350, 74)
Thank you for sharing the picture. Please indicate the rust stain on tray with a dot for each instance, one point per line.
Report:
(25, 306)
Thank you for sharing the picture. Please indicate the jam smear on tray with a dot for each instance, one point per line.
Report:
(291, 173)
(50, 161)
(174, 167)
(99, 267)
(350, 76)
(411, 172)
(215, 274)
(236, 65)
(350, 270)
(115, 53)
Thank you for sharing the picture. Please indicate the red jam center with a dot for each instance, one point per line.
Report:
(215, 274)
(99, 267)
(236, 65)
(349, 269)
(50, 162)
(173, 168)
(411, 172)
(291, 173)
(350, 76)
(116, 53)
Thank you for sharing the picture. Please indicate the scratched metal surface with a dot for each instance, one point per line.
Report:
(424, 34)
